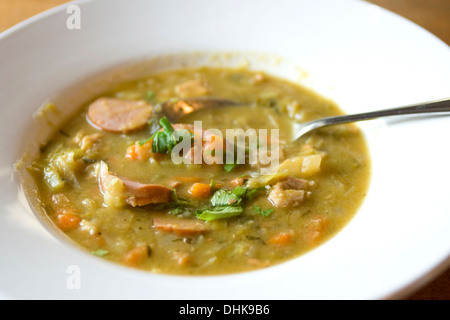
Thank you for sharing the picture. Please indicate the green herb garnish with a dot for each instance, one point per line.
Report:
(225, 198)
(177, 210)
(100, 253)
(229, 166)
(227, 203)
(264, 213)
(219, 213)
(240, 191)
(163, 140)
(150, 95)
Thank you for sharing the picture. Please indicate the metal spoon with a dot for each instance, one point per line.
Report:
(176, 109)
(431, 107)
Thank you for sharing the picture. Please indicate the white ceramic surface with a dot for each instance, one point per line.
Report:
(363, 57)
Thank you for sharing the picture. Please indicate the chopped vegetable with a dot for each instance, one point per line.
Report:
(100, 253)
(264, 213)
(153, 126)
(183, 258)
(140, 151)
(137, 256)
(229, 166)
(200, 190)
(62, 168)
(164, 139)
(237, 182)
(220, 213)
(266, 180)
(150, 95)
(68, 220)
(240, 191)
(301, 166)
(226, 204)
(282, 238)
(314, 230)
(225, 198)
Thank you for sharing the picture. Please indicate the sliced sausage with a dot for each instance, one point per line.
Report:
(115, 115)
(139, 194)
(118, 190)
(179, 226)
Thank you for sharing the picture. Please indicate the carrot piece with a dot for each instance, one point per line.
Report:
(183, 259)
(67, 220)
(140, 152)
(237, 182)
(314, 229)
(200, 190)
(136, 256)
(282, 238)
(132, 152)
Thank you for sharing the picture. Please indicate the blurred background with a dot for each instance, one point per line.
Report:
(433, 15)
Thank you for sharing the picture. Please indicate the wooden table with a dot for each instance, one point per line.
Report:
(433, 15)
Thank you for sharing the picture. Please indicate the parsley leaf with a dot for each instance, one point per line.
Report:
(225, 198)
(154, 128)
(165, 123)
(163, 140)
(264, 213)
(219, 213)
(100, 253)
(251, 193)
(150, 95)
(229, 166)
(225, 204)
(177, 210)
(240, 191)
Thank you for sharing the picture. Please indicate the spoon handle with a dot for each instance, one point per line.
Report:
(431, 107)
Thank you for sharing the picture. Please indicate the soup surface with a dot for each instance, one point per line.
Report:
(135, 187)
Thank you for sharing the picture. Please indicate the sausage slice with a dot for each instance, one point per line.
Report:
(139, 194)
(115, 115)
(118, 190)
(179, 226)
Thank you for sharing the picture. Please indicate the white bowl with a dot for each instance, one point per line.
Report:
(363, 57)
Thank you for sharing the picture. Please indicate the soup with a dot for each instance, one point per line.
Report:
(218, 191)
